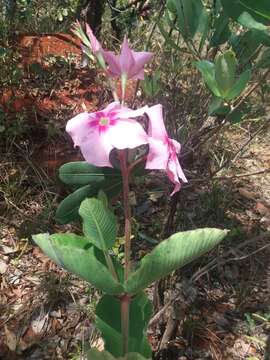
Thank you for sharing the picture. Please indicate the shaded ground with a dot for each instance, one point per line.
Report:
(219, 307)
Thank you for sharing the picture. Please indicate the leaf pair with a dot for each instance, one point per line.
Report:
(89, 180)
(221, 76)
(84, 257)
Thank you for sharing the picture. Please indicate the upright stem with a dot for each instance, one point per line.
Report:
(125, 174)
(125, 299)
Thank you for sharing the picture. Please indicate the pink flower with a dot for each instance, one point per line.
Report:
(129, 63)
(95, 45)
(163, 150)
(99, 132)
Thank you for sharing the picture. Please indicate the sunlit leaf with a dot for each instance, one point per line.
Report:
(99, 223)
(171, 254)
(77, 255)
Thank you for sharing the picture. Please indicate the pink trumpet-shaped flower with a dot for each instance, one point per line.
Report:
(99, 132)
(163, 150)
(129, 63)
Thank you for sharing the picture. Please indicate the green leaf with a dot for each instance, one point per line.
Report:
(83, 173)
(207, 70)
(259, 7)
(225, 70)
(189, 13)
(67, 210)
(204, 27)
(239, 85)
(94, 354)
(246, 20)
(99, 223)
(217, 107)
(171, 254)
(75, 254)
(222, 31)
(108, 321)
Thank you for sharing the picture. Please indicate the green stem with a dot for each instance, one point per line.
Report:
(110, 265)
(125, 300)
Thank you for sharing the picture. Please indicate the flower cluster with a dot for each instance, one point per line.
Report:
(114, 127)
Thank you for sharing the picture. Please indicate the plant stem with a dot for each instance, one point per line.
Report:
(125, 177)
(125, 299)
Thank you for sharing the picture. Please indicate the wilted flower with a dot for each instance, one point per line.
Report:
(99, 132)
(163, 150)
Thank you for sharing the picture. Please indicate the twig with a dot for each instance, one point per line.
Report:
(218, 261)
(240, 175)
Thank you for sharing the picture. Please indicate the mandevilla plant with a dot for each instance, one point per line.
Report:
(108, 140)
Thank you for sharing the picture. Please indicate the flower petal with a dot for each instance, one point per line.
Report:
(125, 113)
(158, 155)
(141, 58)
(96, 150)
(156, 127)
(113, 62)
(126, 134)
(78, 127)
(95, 45)
(126, 59)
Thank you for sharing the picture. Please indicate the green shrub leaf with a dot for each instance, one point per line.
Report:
(75, 254)
(239, 86)
(83, 173)
(108, 321)
(171, 254)
(99, 223)
(67, 210)
(225, 70)
(207, 70)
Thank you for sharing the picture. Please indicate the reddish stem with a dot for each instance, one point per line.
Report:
(125, 178)
(125, 299)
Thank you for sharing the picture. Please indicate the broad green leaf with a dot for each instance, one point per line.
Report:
(217, 107)
(207, 70)
(246, 20)
(108, 321)
(189, 14)
(99, 223)
(171, 254)
(222, 31)
(264, 61)
(239, 85)
(94, 354)
(82, 173)
(75, 254)
(67, 210)
(259, 7)
(246, 45)
(204, 27)
(225, 70)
